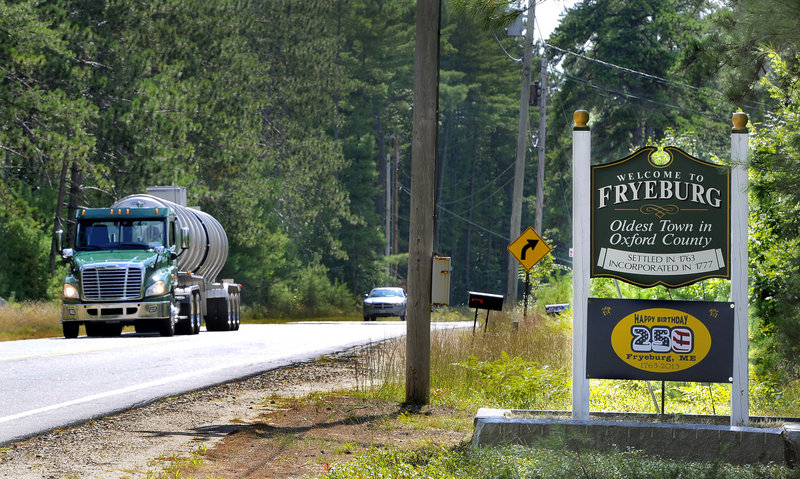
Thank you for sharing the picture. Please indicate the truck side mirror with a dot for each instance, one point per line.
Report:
(66, 253)
(184, 237)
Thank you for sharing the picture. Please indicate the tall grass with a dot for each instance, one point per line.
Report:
(29, 320)
(530, 367)
(472, 368)
(511, 362)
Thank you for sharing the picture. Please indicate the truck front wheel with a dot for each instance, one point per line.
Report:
(70, 330)
(167, 327)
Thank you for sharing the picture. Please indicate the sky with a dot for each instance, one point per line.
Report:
(548, 13)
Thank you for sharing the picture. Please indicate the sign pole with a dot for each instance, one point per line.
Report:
(739, 213)
(581, 155)
(527, 293)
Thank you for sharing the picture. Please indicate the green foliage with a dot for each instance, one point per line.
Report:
(626, 107)
(774, 246)
(553, 461)
(24, 257)
(282, 132)
(714, 289)
(315, 295)
(265, 269)
(550, 282)
(557, 289)
(376, 51)
(479, 108)
(519, 384)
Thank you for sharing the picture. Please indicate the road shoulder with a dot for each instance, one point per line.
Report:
(129, 444)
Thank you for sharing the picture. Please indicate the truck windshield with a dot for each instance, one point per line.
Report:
(120, 234)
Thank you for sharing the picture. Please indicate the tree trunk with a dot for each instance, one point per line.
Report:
(57, 223)
(75, 191)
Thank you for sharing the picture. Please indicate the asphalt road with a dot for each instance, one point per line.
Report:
(52, 383)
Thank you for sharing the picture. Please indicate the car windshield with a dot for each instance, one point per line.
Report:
(120, 234)
(383, 293)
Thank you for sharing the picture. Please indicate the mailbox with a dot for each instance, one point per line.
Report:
(556, 308)
(488, 301)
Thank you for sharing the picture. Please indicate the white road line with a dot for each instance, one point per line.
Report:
(77, 351)
(116, 392)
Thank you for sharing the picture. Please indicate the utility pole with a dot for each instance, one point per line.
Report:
(387, 211)
(423, 191)
(396, 203)
(542, 135)
(522, 146)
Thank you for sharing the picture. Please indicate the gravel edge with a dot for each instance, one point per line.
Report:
(140, 442)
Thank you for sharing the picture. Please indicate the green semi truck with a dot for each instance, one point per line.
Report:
(151, 262)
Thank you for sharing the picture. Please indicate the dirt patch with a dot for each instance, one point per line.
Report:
(301, 438)
(255, 428)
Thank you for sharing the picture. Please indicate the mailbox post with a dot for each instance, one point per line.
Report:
(487, 301)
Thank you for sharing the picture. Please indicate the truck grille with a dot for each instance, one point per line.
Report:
(112, 282)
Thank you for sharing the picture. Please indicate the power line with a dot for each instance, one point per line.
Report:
(623, 93)
(408, 192)
(488, 184)
(673, 83)
(618, 67)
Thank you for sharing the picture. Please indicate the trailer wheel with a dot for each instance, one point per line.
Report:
(195, 314)
(231, 319)
(190, 323)
(214, 321)
(184, 325)
(237, 312)
(219, 316)
(70, 330)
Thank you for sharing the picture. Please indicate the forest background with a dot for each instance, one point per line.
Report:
(278, 116)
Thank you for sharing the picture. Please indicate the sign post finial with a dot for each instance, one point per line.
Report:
(581, 118)
(739, 122)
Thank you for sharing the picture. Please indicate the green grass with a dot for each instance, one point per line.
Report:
(176, 466)
(549, 461)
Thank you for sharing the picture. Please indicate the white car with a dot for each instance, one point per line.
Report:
(385, 302)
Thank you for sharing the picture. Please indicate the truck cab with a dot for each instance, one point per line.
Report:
(123, 271)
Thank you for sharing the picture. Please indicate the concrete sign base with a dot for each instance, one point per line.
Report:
(731, 444)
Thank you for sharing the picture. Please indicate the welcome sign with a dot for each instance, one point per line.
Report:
(660, 217)
(660, 340)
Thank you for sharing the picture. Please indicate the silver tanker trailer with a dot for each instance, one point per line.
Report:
(149, 261)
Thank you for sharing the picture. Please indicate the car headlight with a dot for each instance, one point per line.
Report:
(70, 291)
(156, 289)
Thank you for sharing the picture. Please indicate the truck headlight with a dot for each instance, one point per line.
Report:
(156, 289)
(70, 292)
